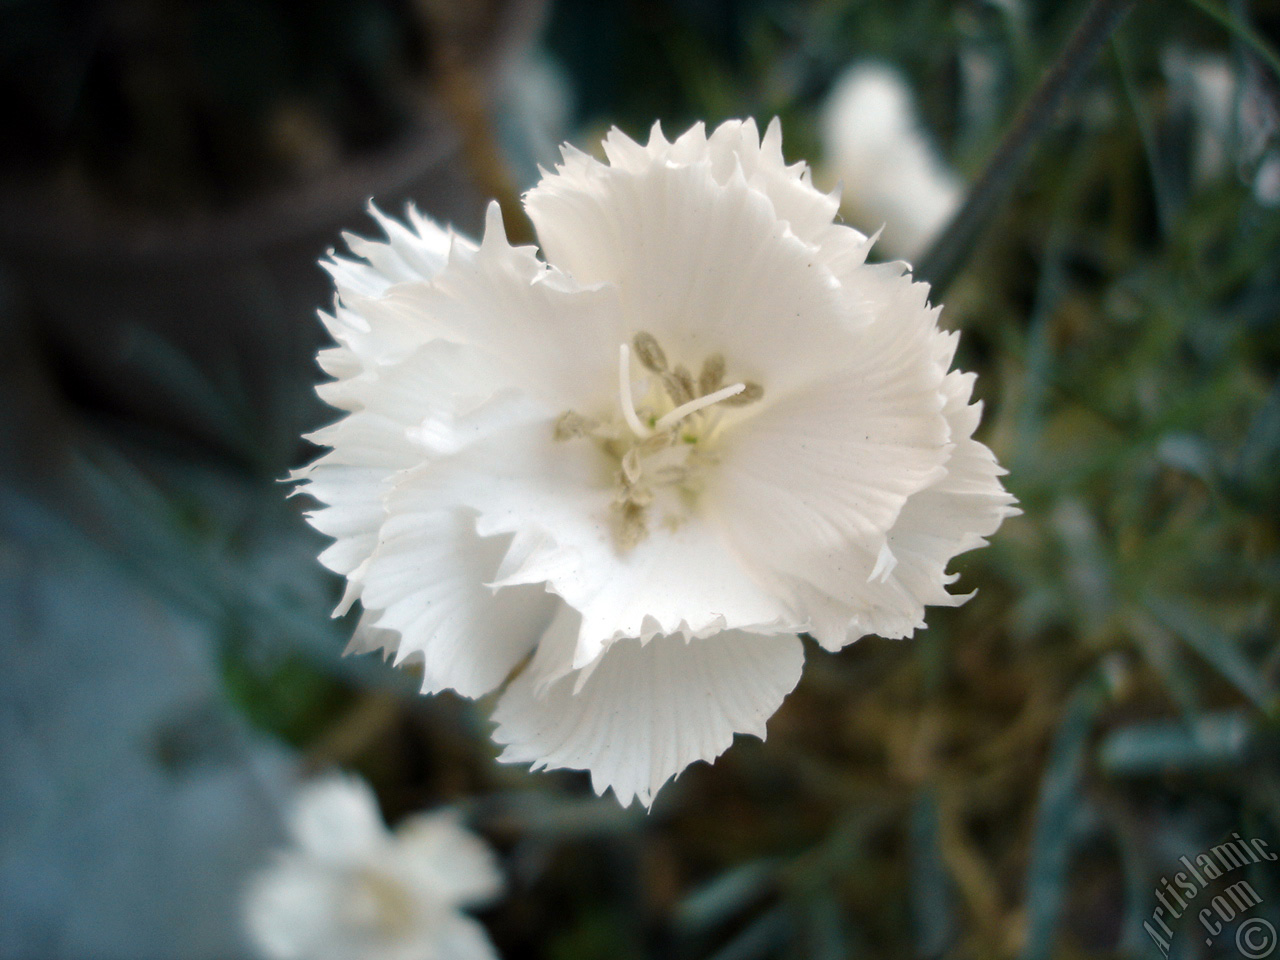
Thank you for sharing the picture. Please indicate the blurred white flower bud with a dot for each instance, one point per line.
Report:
(1234, 122)
(350, 889)
(891, 174)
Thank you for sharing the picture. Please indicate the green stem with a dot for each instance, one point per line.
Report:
(1150, 146)
(948, 254)
(1241, 30)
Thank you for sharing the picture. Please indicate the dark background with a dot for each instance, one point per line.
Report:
(1012, 782)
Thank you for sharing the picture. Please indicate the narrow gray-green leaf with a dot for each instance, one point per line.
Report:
(1214, 645)
(1199, 743)
(1060, 799)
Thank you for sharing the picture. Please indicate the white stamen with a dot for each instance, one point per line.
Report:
(693, 406)
(624, 394)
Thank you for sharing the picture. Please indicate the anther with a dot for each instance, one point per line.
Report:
(712, 374)
(570, 426)
(631, 496)
(679, 385)
(751, 392)
(649, 353)
(693, 406)
(686, 382)
(669, 476)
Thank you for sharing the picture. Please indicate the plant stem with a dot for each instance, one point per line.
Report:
(948, 253)
(463, 96)
(466, 101)
(1241, 31)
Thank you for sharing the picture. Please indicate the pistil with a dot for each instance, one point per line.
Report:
(624, 395)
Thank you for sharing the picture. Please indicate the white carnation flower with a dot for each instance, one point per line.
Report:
(891, 174)
(701, 425)
(350, 889)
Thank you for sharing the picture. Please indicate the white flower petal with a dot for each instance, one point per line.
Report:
(336, 820)
(367, 638)
(810, 488)
(736, 146)
(350, 890)
(703, 266)
(446, 860)
(406, 256)
(684, 580)
(540, 330)
(808, 212)
(289, 909)
(438, 389)
(647, 711)
(834, 464)
(705, 423)
(429, 580)
(432, 390)
(457, 937)
(352, 512)
(367, 342)
(950, 516)
(947, 518)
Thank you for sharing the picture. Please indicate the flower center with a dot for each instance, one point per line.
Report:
(379, 903)
(661, 445)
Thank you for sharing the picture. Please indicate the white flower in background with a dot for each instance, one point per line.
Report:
(350, 889)
(892, 177)
(1235, 121)
(1207, 86)
(702, 425)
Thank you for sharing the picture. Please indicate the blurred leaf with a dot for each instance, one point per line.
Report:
(932, 898)
(1089, 570)
(724, 897)
(1162, 653)
(1219, 650)
(826, 929)
(596, 932)
(762, 937)
(1207, 741)
(1138, 883)
(543, 815)
(1257, 467)
(1241, 31)
(1059, 799)
(1166, 208)
(291, 699)
(1189, 453)
(175, 383)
